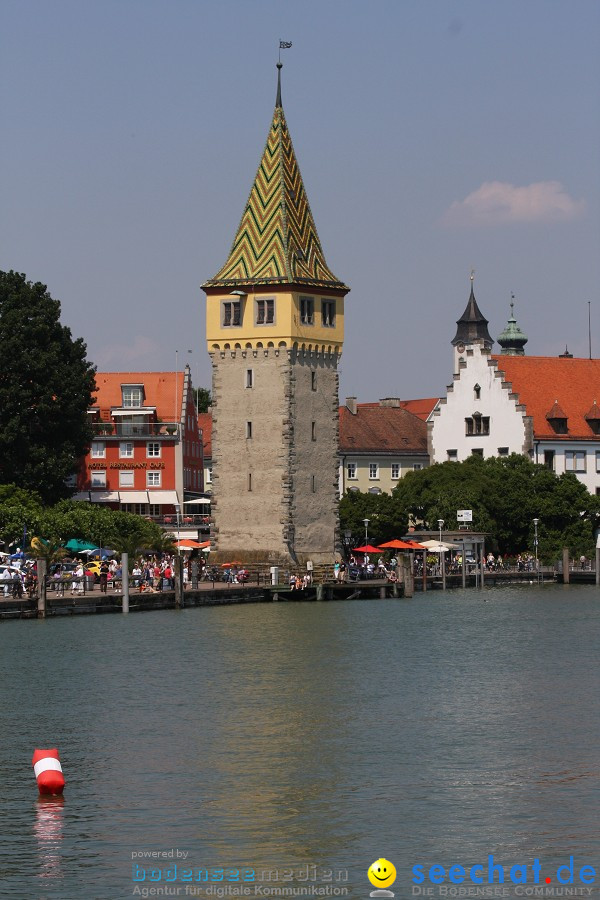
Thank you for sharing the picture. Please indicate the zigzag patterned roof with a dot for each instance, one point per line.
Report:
(277, 241)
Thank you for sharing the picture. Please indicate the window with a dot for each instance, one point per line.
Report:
(477, 451)
(452, 455)
(209, 474)
(395, 470)
(249, 481)
(98, 449)
(502, 451)
(597, 460)
(307, 310)
(249, 378)
(153, 448)
(98, 478)
(373, 471)
(153, 479)
(265, 312)
(125, 449)
(351, 471)
(477, 391)
(313, 431)
(126, 478)
(132, 395)
(417, 467)
(374, 490)
(154, 509)
(575, 461)
(313, 381)
(314, 483)
(549, 460)
(249, 430)
(232, 312)
(328, 313)
(477, 424)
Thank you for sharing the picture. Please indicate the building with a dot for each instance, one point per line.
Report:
(275, 330)
(205, 426)
(146, 455)
(543, 407)
(381, 442)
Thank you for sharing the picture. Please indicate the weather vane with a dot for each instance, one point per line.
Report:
(284, 45)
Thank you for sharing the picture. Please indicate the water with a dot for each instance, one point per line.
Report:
(436, 730)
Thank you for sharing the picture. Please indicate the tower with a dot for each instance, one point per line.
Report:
(275, 330)
(512, 340)
(471, 327)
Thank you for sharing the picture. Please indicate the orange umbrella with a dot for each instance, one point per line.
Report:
(396, 545)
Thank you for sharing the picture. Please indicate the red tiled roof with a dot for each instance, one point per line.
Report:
(420, 408)
(382, 429)
(540, 381)
(160, 390)
(205, 424)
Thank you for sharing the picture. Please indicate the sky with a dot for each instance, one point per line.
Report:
(433, 136)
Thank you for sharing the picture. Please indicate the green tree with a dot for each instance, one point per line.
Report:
(203, 399)
(387, 520)
(46, 387)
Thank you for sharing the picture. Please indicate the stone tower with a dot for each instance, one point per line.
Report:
(472, 327)
(275, 329)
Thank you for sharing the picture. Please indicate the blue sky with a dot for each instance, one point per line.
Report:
(433, 137)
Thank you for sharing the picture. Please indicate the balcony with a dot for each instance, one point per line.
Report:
(118, 430)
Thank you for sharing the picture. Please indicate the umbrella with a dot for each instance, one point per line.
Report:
(435, 546)
(102, 552)
(228, 565)
(368, 548)
(416, 546)
(396, 545)
(78, 546)
(201, 501)
(191, 545)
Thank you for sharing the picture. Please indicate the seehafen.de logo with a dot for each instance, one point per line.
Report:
(494, 873)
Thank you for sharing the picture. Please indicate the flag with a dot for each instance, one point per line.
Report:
(285, 45)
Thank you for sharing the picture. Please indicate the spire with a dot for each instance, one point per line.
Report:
(472, 325)
(277, 241)
(512, 340)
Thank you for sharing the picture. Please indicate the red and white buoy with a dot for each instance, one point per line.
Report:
(48, 771)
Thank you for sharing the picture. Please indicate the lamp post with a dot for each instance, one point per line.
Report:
(347, 539)
(535, 542)
(366, 524)
(441, 555)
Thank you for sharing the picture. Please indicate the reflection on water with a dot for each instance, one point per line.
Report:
(48, 828)
(439, 729)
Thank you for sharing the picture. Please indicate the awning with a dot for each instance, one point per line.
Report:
(201, 501)
(105, 496)
(134, 496)
(82, 495)
(165, 497)
(134, 411)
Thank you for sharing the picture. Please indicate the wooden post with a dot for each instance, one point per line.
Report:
(41, 576)
(125, 581)
(320, 591)
(407, 574)
(566, 573)
(424, 570)
(178, 581)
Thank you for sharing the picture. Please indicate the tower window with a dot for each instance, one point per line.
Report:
(265, 312)
(313, 431)
(307, 310)
(232, 313)
(249, 378)
(313, 381)
(328, 313)
(249, 481)
(314, 483)
(477, 391)
(249, 430)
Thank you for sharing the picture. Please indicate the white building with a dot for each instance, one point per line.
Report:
(544, 407)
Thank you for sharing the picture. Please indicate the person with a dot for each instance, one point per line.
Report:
(103, 577)
(582, 560)
(76, 584)
(136, 574)
(7, 579)
(336, 570)
(342, 571)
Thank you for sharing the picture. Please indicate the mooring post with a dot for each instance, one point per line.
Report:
(41, 576)
(178, 581)
(125, 581)
(407, 575)
(320, 591)
(566, 573)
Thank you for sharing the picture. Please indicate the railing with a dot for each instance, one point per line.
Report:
(169, 520)
(118, 430)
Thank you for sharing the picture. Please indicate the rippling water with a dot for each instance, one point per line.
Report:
(435, 730)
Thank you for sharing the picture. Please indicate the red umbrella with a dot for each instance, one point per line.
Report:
(396, 545)
(416, 546)
(366, 549)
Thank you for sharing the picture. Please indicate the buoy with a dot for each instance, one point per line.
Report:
(48, 771)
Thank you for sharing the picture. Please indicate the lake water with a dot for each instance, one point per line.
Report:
(437, 730)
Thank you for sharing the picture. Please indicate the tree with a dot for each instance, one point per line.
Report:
(203, 399)
(46, 387)
(387, 520)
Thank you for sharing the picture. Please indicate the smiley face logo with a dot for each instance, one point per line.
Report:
(382, 873)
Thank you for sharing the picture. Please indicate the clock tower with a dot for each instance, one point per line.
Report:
(472, 327)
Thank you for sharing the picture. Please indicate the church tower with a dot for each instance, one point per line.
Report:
(472, 327)
(275, 330)
(512, 340)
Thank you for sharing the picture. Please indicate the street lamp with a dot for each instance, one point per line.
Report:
(366, 524)
(441, 556)
(535, 541)
(440, 526)
(178, 514)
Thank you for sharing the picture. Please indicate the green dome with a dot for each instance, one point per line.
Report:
(512, 340)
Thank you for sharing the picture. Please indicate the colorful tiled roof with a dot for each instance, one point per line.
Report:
(160, 391)
(540, 381)
(205, 424)
(277, 241)
(381, 429)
